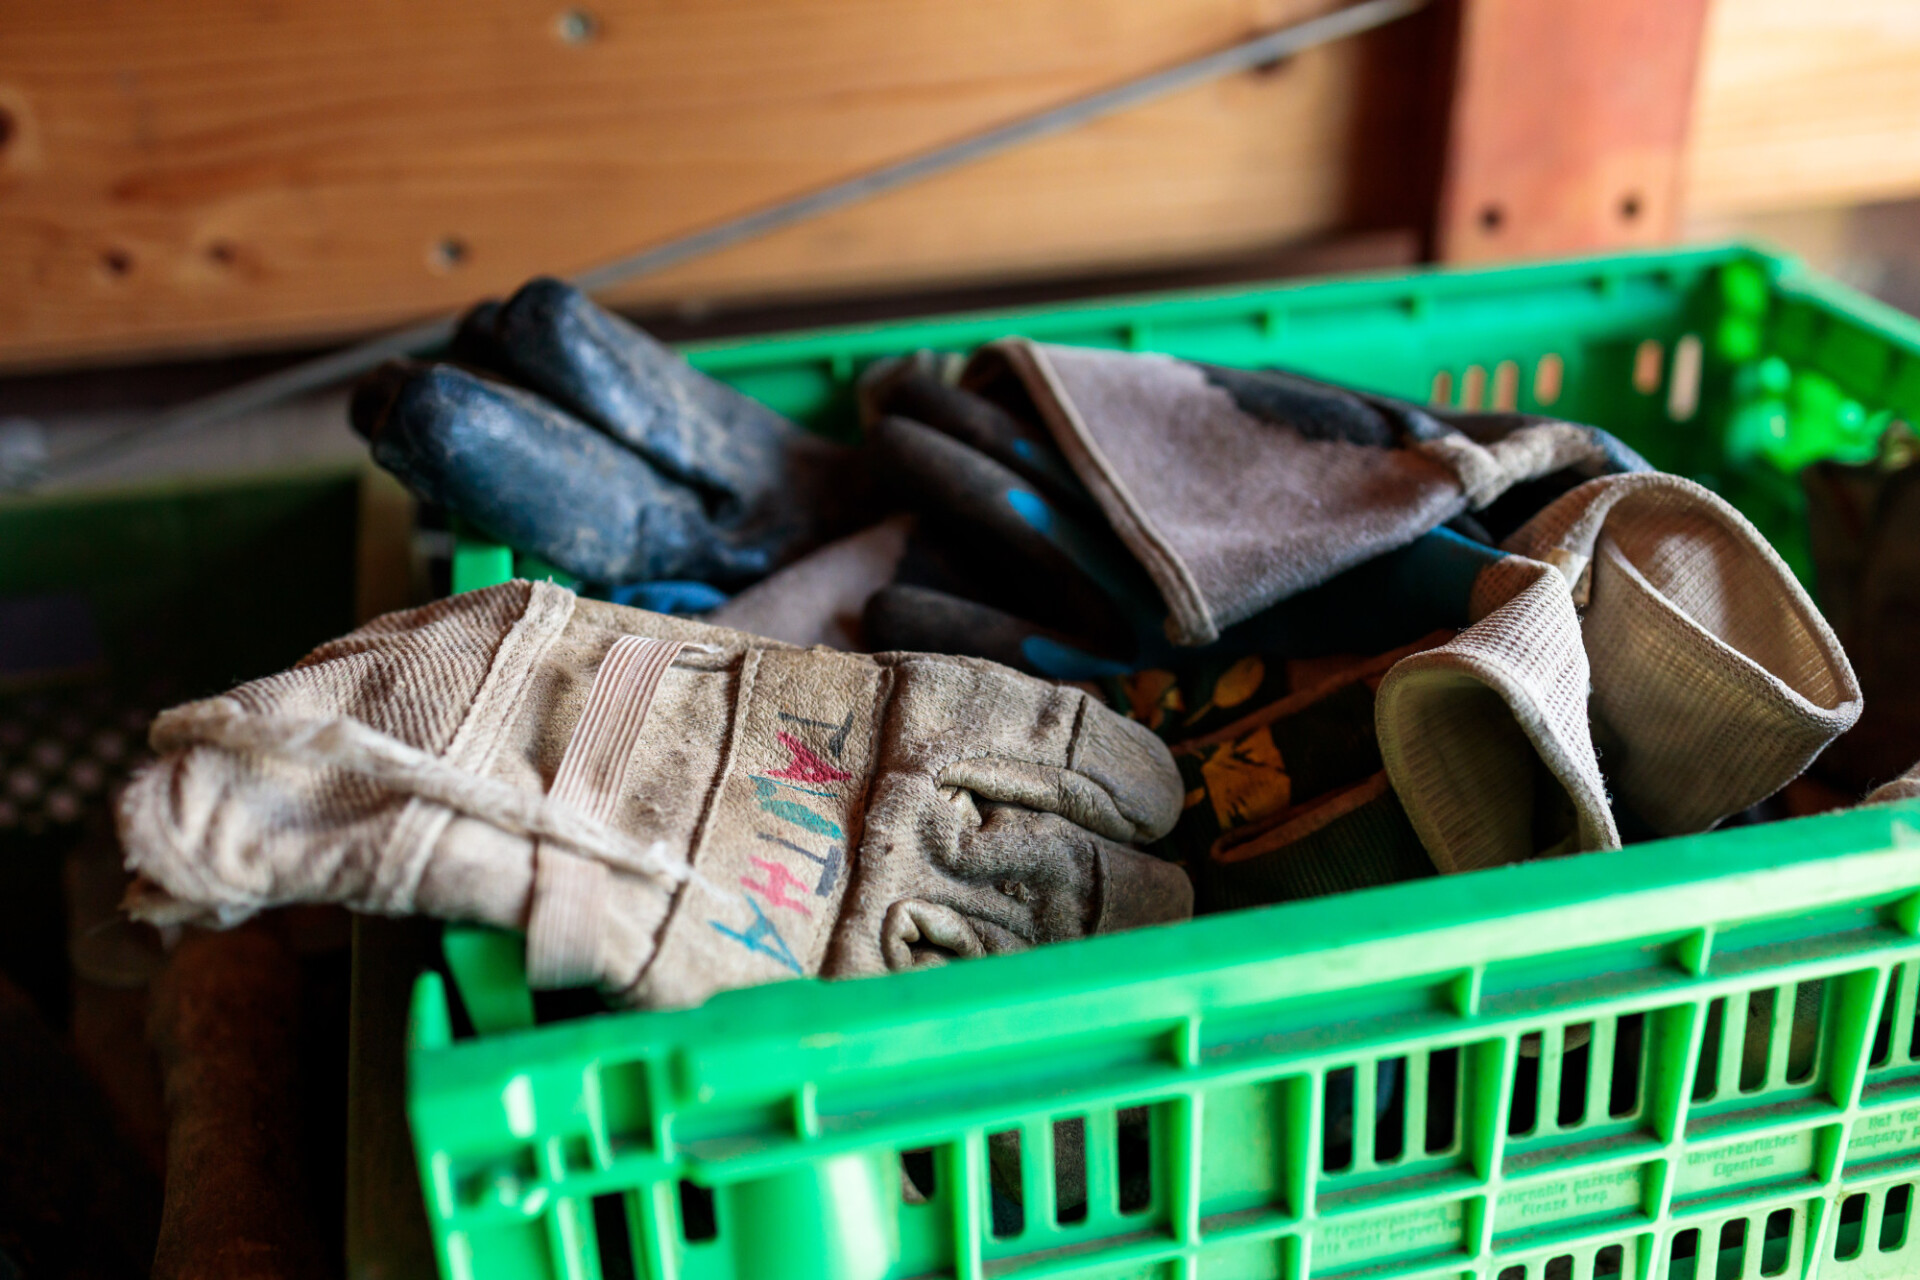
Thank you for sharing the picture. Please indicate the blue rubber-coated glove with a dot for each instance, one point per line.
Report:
(566, 432)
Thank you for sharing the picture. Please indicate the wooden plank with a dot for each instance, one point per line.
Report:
(1806, 102)
(1568, 125)
(179, 174)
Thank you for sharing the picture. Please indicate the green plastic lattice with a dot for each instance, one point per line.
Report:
(1694, 1059)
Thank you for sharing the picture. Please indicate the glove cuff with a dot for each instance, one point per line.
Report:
(567, 926)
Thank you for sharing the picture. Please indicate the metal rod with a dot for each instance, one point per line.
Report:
(420, 339)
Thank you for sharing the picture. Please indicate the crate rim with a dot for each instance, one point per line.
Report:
(1786, 272)
(1868, 852)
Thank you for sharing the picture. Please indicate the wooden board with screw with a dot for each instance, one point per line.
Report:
(186, 175)
(1569, 125)
(1803, 103)
(177, 174)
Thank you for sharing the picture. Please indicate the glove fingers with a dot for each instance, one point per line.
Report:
(901, 618)
(1045, 789)
(1132, 765)
(1139, 889)
(1055, 568)
(1045, 879)
(534, 477)
(912, 389)
(924, 935)
(1113, 775)
(818, 599)
(552, 338)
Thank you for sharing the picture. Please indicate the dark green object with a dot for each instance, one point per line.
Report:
(119, 602)
(209, 582)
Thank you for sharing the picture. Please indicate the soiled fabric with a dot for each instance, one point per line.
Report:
(1631, 628)
(1639, 614)
(568, 433)
(1236, 489)
(667, 808)
(819, 598)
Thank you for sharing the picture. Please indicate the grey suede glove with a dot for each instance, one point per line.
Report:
(668, 808)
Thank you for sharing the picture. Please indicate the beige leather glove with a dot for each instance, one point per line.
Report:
(667, 808)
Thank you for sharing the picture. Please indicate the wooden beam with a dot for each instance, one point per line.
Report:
(182, 174)
(1568, 125)
(1805, 103)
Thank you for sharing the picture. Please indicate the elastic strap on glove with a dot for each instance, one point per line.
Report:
(566, 927)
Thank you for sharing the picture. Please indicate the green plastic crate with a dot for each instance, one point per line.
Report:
(1747, 1103)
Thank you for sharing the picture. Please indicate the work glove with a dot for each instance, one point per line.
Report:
(667, 808)
(1014, 560)
(566, 432)
(1714, 681)
(1234, 489)
(820, 598)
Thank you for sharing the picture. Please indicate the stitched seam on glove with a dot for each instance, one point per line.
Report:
(1191, 622)
(409, 845)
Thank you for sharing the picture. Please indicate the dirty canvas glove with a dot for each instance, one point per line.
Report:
(1864, 523)
(667, 808)
(1012, 561)
(1235, 489)
(573, 435)
(1713, 681)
